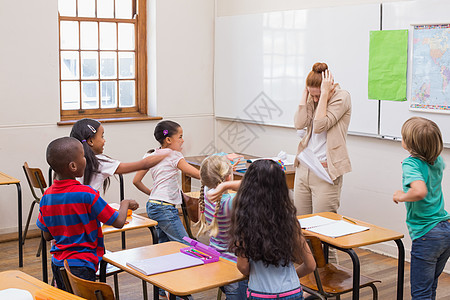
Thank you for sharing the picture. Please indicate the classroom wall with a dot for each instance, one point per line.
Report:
(180, 84)
(367, 190)
(237, 7)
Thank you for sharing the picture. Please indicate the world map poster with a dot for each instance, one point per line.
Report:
(430, 86)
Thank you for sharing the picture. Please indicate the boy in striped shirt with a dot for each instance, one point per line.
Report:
(70, 213)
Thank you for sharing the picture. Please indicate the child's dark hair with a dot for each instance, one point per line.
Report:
(264, 225)
(422, 138)
(83, 130)
(60, 153)
(165, 129)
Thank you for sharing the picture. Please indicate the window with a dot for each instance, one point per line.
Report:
(103, 59)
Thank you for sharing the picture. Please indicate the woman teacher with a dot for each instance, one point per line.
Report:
(322, 158)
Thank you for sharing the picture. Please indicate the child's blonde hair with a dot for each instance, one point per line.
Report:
(422, 138)
(213, 171)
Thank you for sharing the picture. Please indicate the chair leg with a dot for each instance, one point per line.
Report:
(38, 253)
(116, 286)
(374, 291)
(30, 213)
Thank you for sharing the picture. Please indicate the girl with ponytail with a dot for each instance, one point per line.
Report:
(216, 173)
(100, 167)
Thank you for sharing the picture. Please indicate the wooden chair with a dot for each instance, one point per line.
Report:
(330, 280)
(88, 289)
(35, 180)
(189, 208)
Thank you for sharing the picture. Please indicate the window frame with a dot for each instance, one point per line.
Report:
(139, 111)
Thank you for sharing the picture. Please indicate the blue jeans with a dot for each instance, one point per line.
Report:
(82, 272)
(169, 226)
(296, 296)
(235, 291)
(428, 257)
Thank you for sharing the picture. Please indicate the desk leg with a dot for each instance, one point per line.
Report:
(124, 245)
(19, 225)
(122, 196)
(185, 183)
(103, 271)
(154, 235)
(144, 290)
(44, 259)
(356, 273)
(155, 292)
(356, 269)
(172, 297)
(401, 268)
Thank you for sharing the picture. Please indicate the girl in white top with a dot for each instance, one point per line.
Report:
(100, 167)
(166, 191)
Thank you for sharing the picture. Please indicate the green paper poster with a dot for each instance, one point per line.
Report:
(388, 54)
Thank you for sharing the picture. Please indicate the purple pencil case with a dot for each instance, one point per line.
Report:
(201, 251)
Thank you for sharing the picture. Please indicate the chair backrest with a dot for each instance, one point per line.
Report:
(89, 290)
(35, 179)
(316, 247)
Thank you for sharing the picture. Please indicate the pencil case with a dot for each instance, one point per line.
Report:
(201, 251)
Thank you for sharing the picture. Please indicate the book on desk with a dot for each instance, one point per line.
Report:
(164, 263)
(330, 227)
(194, 255)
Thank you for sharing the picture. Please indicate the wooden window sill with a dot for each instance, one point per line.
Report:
(113, 120)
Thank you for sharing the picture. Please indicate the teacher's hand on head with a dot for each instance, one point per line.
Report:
(328, 86)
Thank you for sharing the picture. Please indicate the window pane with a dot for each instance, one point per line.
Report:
(126, 93)
(123, 9)
(67, 8)
(126, 36)
(70, 95)
(89, 35)
(126, 65)
(105, 9)
(108, 36)
(89, 94)
(69, 35)
(108, 65)
(69, 65)
(89, 65)
(86, 8)
(109, 94)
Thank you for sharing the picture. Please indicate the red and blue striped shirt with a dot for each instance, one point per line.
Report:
(71, 213)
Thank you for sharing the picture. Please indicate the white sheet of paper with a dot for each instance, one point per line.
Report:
(314, 221)
(338, 228)
(308, 158)
(16, 294)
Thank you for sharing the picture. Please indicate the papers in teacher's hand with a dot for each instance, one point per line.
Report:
(309, 159)
(330, 227)
(164, 263)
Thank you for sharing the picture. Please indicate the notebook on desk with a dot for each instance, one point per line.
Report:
(164, 263)
(330, 227)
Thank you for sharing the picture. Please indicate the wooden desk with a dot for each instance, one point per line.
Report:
(19, 280)
(135, 222)
(6, 180)
(374, 235)
(197, 160)
(179, 282)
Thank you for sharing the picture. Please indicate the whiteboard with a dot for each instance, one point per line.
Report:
(262, 60)
(401, 15)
